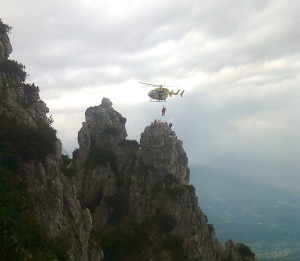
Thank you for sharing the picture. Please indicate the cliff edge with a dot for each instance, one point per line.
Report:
(40, 217)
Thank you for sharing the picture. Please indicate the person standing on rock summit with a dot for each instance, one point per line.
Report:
(163, 111)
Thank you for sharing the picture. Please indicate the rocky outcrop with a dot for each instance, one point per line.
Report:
(56, 205)
(21, 103)
(103, 128)
(142, 190)
(162, 150)
(99, 139)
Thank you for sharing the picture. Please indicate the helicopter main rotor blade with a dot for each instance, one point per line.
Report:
(157, 85)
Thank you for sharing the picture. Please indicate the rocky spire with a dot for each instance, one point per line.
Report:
(162, 150)
(142, 190)
(103, 127)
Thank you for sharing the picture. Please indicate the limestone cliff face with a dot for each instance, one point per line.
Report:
(162, 149)
(142, 190)
(99, 139)
(103, 128)
(30, 151)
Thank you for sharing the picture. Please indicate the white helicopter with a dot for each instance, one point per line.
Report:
(160, 93)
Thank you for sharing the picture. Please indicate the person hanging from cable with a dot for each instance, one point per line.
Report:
(163, 111)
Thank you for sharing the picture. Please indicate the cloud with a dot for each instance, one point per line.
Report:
(237, 60)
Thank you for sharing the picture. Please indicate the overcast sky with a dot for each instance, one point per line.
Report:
(237, 60)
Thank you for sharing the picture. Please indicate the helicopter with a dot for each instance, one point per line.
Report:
(160, 93)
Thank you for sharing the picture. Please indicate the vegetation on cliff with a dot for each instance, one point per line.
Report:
(21, 237)
(12, 68)
(22, 142)
(4, 28)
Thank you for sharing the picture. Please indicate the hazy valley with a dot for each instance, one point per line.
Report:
(263, 216)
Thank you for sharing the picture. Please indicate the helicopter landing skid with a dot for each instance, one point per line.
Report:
(157, 100)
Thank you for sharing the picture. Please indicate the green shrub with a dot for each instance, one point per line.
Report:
(101, 156)
(129, 143)
(68, 169)
(66, 160)
(164, 222)
(174, 244)
(206, 219)
(75, 153)
(211, 228)
(31, 92)
(177, 191)
(37, 143)
(4, 28)
(170, 179)
(122, 242)
(111, 130)
(244, 250)
(12, 68)
(21, 142)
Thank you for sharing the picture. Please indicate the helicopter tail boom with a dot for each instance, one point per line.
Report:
(180, 92)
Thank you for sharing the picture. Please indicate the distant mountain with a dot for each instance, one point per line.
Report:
(263, 216)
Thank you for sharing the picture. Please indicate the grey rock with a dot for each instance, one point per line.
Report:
(149, 189)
